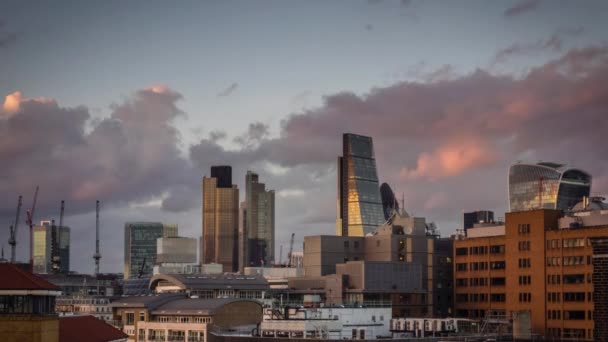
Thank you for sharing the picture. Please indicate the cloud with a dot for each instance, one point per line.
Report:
(521, 7)
(256, 133)
(228, 91)
(130, 156)
(554, 43)
(6, 38)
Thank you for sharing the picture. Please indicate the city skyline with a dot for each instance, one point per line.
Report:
(452, 95)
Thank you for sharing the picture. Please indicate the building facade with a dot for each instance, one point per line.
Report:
(43, 248)
(546, 186)
(475, 217)
(176, 255)
(359, 204)
(220, 222)
(259, 221)
(140, 246)
(539, 268)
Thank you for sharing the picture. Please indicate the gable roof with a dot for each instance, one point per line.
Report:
(15, 278)
(87, 328)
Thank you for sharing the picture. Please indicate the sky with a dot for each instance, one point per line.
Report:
(132, 102)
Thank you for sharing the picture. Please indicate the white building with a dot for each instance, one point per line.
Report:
(331, 323)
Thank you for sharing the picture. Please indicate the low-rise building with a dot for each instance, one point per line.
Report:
(211, 286)
(540, 269)
(176, 317)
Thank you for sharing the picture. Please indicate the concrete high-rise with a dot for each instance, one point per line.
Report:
(220, 219)
(359, 204)
(546, 186)
(140, 246)
(43, 248)
(259, 221)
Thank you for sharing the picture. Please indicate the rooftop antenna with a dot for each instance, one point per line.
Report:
(97, 255)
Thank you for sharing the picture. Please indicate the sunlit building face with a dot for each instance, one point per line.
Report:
(359, 204)
(547, 186)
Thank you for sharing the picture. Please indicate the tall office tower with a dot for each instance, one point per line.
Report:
(479, 216)
(546, 186)
(259, 221)
(389, 202)
(243, 237)
(220, 220)
(359, 205)
(43, 248)
(140, 246)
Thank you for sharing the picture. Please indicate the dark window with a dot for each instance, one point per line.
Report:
(461, 251)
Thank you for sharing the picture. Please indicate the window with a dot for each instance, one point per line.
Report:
(497, 249)
(356, 243)
(524, 263)
(525, 297)
(574, 296)
(523, 245)
(574, 315)
(346, 245)
(142, 316)
(461, 251)
(523, 228)
(497, 297)
(462, 282)
(460, 267)
(129, 318)
(525, 280)
(497, 265)
(498, 281)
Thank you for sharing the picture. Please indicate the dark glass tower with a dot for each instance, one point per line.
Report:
(389, 202)
(470, 219)
(359, 204)
(223, 173)
(546, 186)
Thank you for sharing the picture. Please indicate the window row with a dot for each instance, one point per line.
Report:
(523, 228)
(569, 260)
(523, 245)
(524, 263)
(525, 280)
(568, 243)
(525, 297)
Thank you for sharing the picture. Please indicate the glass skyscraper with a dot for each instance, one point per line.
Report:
(43, 248)
(547, 186)
(259, 221)
(140, 246)
(359, 204)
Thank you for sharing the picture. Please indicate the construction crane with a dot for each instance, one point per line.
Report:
(280, 256)
(142, 269)
(30, 223)
(12, 240)
(56, 257)
(290, 250)
(97, 255)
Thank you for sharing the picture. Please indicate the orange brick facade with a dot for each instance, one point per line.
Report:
(535, 267)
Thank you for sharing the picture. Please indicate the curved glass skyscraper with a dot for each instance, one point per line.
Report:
(359, 204)
(547, 186)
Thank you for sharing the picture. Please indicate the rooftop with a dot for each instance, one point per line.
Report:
(211, 282)
(15, 278)
(196, 306)
(87, 328)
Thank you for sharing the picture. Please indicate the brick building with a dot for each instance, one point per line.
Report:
(539, 263)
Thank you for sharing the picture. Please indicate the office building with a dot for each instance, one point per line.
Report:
(223, 174)
(398, 264)
(389, 202)
(476, 217)
(43, 248)
(546, 186)
(176, 255)
(175, 317)
(220, 220)
(538, 270)
(359, 204)
(259, 221)
(140, 246)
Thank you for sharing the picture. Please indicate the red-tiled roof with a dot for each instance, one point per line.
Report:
(15, 278)
(87, 328)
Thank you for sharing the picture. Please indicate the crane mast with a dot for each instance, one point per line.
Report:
(97, 255)
(30, 223)
(290, 250)
(13, 231)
